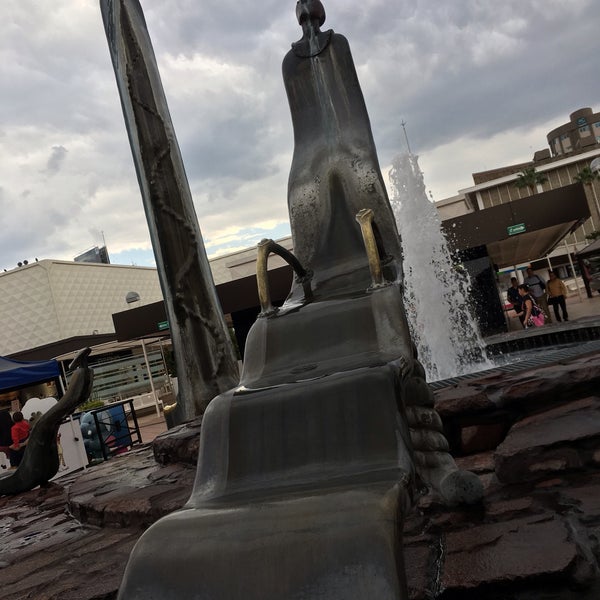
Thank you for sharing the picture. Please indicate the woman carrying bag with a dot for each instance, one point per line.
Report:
(531, 312)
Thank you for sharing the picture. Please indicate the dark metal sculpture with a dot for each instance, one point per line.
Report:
(41, 462)
(206, 363)
(307, 468)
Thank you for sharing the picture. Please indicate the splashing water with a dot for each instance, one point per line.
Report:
(435, 291)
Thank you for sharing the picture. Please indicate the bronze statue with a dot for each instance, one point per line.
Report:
(335, 172)
(308, 467)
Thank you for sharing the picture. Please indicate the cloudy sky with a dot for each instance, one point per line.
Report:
(478, 83)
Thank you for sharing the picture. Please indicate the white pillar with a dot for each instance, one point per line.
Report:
(150, 377)
(573, 271)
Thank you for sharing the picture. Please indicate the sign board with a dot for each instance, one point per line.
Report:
(514, 229)
(163, 325)
(71, 451)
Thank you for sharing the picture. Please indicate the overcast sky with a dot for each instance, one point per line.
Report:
(478, 83)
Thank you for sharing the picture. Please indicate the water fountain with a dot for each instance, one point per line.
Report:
(307, 467)
(303, 483)
(437, 291)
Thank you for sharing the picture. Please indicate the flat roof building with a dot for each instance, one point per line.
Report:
(51, 300)
(581, 133)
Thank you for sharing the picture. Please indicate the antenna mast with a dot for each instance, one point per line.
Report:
(403, 123)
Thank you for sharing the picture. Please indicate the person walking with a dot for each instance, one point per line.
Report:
(557, 296)
(537, 289)
(513, 296)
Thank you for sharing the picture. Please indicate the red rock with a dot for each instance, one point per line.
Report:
(417, 561)
(179, 444)
(509, 507)
(550, 483)
(548, 442)
(479, 438)
(461, 399)
(477, 463)
(587, 499)
(507, 552)
(551, 383)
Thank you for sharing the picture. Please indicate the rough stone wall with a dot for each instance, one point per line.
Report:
(534, 439)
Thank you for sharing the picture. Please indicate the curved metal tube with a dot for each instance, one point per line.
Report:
(265, 248)
(40, 461)
(364, 218)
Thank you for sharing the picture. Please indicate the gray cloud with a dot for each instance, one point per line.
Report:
(58, 154)
(455, 70)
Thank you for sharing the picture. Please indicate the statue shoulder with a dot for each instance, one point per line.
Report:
(339, 40)
(303, 49)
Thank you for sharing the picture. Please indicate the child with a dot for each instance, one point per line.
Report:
(19, 433)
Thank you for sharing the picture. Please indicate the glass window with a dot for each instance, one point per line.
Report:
(584, 129)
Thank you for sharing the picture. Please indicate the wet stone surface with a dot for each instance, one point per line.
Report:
(70, 540)
(535, 536)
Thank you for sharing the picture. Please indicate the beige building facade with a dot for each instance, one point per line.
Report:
(496, 187)
(580, 133)
(44, 302)
(50, 300)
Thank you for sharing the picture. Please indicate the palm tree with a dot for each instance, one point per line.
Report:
(529, 178)
(587, 177)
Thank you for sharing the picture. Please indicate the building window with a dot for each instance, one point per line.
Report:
(597, 125)
(585, 129)
(557, 146)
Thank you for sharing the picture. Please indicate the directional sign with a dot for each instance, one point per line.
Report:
(514, 229)
(163, 325)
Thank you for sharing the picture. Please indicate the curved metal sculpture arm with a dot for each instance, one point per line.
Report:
(40, 461)
(265, 248)
(365, 219)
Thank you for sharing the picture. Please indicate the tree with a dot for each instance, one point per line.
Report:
(587, 177)
(529, 178)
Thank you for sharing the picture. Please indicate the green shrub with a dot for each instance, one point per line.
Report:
(90, 405)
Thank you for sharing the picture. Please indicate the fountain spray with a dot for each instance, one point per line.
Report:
(437, 290)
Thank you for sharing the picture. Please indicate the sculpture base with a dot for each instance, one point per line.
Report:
(337, 545)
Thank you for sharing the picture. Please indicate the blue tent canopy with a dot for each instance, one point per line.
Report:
(16, 374)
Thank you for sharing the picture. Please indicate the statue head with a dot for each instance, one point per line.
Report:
(309, 10)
